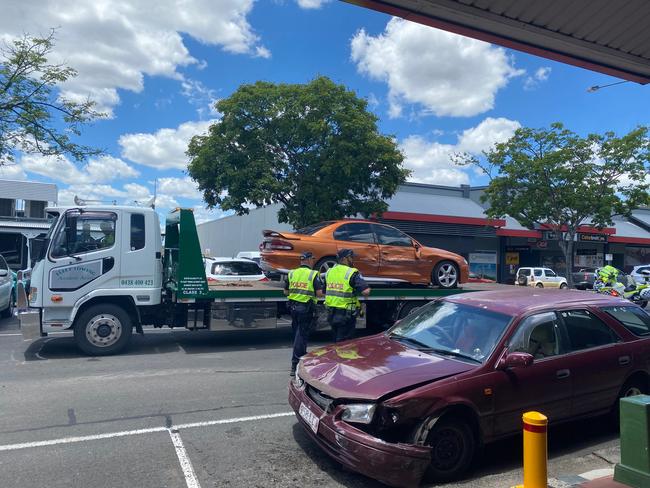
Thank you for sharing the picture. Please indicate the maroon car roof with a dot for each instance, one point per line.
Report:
(518, 300)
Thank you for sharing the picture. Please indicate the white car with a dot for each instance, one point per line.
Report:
(233, 269)
(641, 274)
(6, 285)
(540, 278)
(252, 255)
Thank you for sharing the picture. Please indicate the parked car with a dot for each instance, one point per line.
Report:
(382, 253)
(474, 278)
(233, 269)
(540, 278)
(459, 372)
(641, 274)
(6, 289)
(584, 278)
(252, 255)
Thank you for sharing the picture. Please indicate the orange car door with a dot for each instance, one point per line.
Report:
(398, 256)
(359, 237)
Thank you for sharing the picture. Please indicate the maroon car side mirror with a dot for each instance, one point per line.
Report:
(516, 360)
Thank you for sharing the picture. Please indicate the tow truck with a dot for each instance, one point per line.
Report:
(103, 272)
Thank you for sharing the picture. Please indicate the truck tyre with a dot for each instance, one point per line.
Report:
(445, 275)
(101, 330)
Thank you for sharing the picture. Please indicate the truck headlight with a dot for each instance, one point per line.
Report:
(33, 294)
(361, 413)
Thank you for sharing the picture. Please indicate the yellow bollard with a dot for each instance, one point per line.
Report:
(535, 451)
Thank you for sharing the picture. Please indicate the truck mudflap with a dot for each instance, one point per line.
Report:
(28, 319)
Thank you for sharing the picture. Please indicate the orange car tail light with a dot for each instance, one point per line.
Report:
(278, 245)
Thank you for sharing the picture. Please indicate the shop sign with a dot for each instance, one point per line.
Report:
(592, 237)
(517, 249)
(483, 257)
(542, 244)
(586, 252)
(512, 258)
(548, 235)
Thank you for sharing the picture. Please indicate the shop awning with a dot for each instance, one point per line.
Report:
(606, 36)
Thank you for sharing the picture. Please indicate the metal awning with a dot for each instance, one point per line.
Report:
(610, 37)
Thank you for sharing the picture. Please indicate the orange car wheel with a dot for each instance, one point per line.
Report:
(445, 275)
(325, 263)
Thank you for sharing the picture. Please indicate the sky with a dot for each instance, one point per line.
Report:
(156, 70)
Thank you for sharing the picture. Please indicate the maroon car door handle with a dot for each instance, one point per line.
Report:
(562, 373)
(624, 360)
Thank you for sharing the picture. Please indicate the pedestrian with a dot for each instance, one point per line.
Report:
(343, 285)
(303, 287)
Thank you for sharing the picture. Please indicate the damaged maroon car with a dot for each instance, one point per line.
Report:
(423, 397)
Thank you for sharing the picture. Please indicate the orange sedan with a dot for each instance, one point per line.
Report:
(381, 253)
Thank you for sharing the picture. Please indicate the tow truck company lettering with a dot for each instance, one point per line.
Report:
(75, 276)
(136, 283)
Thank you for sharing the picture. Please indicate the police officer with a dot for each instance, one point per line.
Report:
(303, 288)
(343, 285)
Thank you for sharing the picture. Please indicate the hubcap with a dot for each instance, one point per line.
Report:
(447, 275)
(633, 391)
(447, 449)
(103, 330)
(326, 266)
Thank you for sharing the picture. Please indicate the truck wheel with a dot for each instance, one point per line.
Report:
(445, 275)
(103, 329)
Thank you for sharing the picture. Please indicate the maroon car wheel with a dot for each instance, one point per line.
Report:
(452, 449)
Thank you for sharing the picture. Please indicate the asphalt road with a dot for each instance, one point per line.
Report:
(196, 409)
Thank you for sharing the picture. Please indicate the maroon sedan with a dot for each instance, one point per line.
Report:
(459, 372)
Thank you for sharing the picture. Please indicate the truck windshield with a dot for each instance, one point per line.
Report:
(84, 232)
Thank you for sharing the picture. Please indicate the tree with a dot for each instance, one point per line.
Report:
(33, 117)
(314, 148)
(554, 179)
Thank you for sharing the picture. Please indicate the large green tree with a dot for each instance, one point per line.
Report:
(34, 117)
(553, 178)
(314, 148)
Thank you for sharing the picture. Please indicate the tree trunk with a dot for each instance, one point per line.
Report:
(567, 245)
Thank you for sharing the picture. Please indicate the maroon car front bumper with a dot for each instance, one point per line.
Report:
(400, 465)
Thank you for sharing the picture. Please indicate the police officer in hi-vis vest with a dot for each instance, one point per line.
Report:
(303, 287)
(343, 285)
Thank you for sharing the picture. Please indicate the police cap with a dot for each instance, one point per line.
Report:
(345, 253)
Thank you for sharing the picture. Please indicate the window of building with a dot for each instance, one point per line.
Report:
(389, 236)
(634, 319)
(84, 232)
(137, 232)
(585, 330)
(355, 232)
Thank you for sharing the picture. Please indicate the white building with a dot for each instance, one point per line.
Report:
(22, 217)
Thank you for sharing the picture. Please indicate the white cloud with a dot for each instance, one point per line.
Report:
(440, 72)
(12, 172)
(540, 76)
(431, 161)
(311, 4)
(179, 187)
(163, 149)
(102, 169)
(113, 44)
(486, 134)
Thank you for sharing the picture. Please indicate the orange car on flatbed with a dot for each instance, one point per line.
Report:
(381, 253)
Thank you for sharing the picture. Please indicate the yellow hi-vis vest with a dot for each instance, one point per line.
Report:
(301, 285)
(339, 292)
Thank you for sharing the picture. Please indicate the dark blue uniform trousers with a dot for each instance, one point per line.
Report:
(343, 323)
(302, 319)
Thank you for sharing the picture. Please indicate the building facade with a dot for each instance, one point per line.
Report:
(22, 217)
(453, 218)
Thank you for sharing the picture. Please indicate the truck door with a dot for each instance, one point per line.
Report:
(140, 261)
(83, 257)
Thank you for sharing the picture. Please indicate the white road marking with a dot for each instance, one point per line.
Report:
(125, 433)
(186, 465)
(49, 333)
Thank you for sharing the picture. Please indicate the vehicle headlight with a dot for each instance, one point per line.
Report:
(298, 382)
(33, 294)
(361, 413)
(465, 261)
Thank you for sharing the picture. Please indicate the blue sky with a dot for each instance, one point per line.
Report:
(157, 71)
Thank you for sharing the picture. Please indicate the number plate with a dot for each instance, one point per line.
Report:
(309, 417)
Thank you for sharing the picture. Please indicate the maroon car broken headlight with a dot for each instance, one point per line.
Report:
(361, 413)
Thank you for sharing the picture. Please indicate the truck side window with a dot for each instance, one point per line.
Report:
(85, 232)
(137, 232)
